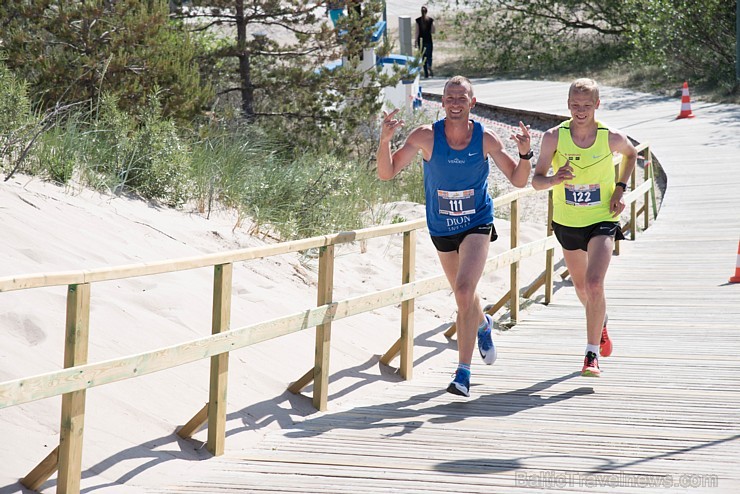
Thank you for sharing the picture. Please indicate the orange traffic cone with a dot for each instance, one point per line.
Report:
(736, 278)
(685, 103)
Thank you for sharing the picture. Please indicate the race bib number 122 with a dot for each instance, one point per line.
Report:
(583, 195)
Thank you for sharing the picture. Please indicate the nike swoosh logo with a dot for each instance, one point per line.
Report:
(472, 154)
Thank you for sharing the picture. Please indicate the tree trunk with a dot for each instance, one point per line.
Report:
(247, 89)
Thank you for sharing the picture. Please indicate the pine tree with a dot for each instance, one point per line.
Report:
(71, 51)
(273, 54)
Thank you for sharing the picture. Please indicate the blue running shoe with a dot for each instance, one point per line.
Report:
(461, 384)
(486, 346)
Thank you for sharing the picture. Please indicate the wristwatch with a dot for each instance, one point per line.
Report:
(623, 185)
(527, 156)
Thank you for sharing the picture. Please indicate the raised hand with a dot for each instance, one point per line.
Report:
(389, 125)
(522, 139)
(564, 173)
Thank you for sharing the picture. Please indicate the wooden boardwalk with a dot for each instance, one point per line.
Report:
(665, 415)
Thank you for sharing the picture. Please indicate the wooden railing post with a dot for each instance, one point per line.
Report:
(73, 404)
(67, 457)
(646, 197)
(323, 331)
(633, 205)
(221, 321)
(550, 254)
(407, 306)
(651, 164)
(514, 268)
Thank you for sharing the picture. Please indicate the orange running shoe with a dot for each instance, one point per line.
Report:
(591, 365)
(606, 343)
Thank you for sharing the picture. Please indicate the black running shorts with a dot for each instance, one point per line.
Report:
(452, 243)
(577, 238)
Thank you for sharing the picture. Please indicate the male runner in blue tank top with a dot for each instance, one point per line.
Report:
(459, 209)
(587, 202)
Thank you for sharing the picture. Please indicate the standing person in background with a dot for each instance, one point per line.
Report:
(459, 209)
(424, 32)
(587, 203)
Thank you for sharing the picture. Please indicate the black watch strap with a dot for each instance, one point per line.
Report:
(527, 156)
(623, 185)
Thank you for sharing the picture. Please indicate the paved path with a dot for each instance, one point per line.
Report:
(664, 417)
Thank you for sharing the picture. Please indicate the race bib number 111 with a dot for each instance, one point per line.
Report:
(456, 202)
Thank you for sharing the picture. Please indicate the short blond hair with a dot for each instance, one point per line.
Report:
(459, 80)
(584, 85)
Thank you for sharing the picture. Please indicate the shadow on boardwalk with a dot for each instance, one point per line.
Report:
(493, 405)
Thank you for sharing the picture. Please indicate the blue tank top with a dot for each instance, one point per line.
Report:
(456, 185)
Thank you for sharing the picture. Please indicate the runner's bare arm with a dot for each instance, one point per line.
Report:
(516, 171)
(618, 142)
(548, 147)
(391, 163)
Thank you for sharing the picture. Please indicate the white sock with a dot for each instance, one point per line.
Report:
(593, 348)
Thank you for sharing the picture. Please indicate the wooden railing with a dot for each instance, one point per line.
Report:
(78, 374)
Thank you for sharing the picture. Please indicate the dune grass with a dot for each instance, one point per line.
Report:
(284, 192)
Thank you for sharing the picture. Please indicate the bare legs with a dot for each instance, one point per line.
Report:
(463, 270)
(588, 271)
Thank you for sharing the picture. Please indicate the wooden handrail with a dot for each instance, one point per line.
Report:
(64, 381)
(39, 280)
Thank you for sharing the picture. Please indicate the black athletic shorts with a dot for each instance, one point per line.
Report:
(576, 238)
(452, 243)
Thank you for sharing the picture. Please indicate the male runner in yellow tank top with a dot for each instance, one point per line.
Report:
(587, 203)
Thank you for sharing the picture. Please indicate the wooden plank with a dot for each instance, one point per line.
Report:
(145, 269)
(22, 282)
(408, 275)
(73, 403)
(646, 197)
(391, 353)
(86, 376)
(41, 473)
(194, 424)
(550, 254)
(633, 205)
(514, 268)
(220, 323)
(303, 381)
(323, 331)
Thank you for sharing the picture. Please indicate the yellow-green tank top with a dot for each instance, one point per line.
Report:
(584, 200)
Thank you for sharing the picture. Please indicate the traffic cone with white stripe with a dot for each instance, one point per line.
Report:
(736, 278)
(685, 103)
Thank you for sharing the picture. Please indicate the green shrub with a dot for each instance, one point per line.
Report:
(693, 39)
(16, 116)
(60, 150)
(142, 154)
